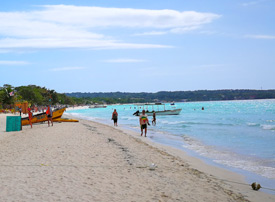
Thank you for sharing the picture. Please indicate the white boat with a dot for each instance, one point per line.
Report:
(97, 106)
(158, 112)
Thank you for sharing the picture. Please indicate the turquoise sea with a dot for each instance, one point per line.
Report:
(236, 135)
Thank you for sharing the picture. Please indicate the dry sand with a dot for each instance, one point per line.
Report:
(88, 161)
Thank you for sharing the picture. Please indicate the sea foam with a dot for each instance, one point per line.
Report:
(268, 127)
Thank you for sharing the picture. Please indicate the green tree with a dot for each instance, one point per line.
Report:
(7, 99)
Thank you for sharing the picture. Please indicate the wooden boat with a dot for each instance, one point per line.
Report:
(41, 117)
(158, 112)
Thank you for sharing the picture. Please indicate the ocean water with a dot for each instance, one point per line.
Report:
(236, 135)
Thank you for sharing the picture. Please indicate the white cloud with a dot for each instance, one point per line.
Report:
(124, 60)
(37, 43)
(123, 17)
(66, 69)
(5, 62)
(260, 36)
(153, 33)
(251, 3)
(182, 30)
(68, 26)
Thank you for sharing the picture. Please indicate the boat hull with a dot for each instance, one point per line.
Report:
(162, 113)
(93, 107)
(64, 120)
(43, 117)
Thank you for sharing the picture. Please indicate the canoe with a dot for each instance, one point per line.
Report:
(39, 118)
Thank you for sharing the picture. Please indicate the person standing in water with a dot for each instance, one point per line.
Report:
(154, 119)
(49, 113)
(114, 117)
(143, 121)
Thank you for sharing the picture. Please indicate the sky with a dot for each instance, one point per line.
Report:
(138, 45)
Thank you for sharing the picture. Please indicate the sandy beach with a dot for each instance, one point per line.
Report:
(88, 161)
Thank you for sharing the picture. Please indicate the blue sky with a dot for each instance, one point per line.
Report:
(138, 45)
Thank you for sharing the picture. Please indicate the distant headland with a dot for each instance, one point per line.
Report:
(37, 95)
(174, 96)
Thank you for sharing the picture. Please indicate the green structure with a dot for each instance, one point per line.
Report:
(13, 123)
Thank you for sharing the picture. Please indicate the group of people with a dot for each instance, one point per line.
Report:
(49, 114)
(143, 121)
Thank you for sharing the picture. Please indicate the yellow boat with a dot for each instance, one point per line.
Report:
(64, 120)
(43, 117)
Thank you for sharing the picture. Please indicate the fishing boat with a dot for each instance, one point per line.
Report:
(150, 111)
(41, 117)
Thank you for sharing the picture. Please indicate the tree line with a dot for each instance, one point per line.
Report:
(173, 96)
(35, 95)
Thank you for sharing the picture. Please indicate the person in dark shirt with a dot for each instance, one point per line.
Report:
(114, 117)
(154, 121)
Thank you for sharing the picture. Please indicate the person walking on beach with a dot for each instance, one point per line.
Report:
(30, 116)
(154, 119)
(143, 121)
(114, 117)
(49, 113)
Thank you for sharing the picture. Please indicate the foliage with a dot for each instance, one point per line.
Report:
(35, 95)
(42, 96)
(5, 98)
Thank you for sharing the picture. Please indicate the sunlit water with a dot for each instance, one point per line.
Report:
(238, 135)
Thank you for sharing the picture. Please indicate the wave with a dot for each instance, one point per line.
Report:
(253, 124)
(129, 118)
(79, 115)
(228, 158)
(263, 126)
(172, 122)
(265, 171)
(268, 127)
(186, 123)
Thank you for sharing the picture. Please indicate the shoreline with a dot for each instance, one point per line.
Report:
(90, 161)
(248, 176)
(235, 180)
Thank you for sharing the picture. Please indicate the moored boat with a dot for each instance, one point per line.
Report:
(158, 112)
(165, 112)
(97, 106)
